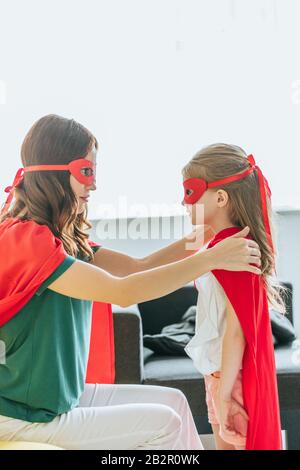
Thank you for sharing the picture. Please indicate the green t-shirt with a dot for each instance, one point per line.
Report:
(46, 349)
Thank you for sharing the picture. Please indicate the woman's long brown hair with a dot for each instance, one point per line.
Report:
(47, 197)
(218, 161)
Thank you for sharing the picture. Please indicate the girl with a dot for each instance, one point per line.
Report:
(50, 275)
(232, 346)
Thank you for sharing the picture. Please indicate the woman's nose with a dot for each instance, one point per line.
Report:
(92, 187)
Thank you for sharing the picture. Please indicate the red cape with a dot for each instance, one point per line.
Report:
(29, 254)
(248, 297)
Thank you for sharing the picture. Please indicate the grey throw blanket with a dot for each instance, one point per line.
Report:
(173, 338)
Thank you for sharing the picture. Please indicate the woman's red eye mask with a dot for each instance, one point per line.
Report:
(82, 169)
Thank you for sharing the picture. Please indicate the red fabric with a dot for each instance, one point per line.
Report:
(101, 363)
(29, 254)
(198, 186)
(75, 167)
(248, 297)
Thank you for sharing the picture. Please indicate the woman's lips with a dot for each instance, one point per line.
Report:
(85, 199)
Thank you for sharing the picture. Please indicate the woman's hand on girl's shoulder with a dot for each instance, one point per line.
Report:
(237, 253)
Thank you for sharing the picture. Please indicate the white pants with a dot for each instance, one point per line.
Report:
(111, 417)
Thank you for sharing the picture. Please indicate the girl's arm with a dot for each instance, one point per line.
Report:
(232, 355)
(85, 281)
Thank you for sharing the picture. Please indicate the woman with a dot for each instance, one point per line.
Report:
(45, 305)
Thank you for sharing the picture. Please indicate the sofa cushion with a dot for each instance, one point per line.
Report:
(287, 359)
(282, 329)
(170, 368)
(178, 372)
(166, 367)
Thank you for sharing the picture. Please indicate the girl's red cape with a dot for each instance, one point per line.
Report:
(248, 297)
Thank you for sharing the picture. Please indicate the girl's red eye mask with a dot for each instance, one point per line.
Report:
(194, 188)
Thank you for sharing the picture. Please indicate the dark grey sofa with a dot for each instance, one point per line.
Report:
(139, 365)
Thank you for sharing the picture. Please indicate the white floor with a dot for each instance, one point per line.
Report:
(208, 441)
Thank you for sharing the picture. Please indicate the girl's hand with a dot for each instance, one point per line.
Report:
(237, 253)
(232, 417)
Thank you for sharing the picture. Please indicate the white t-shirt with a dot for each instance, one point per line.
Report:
(205, 348)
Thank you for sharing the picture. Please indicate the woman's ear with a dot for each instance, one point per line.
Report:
(222, 198)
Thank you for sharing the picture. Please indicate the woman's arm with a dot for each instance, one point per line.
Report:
(117, 263)
(179, 249)
(120, 264)
(85, 281)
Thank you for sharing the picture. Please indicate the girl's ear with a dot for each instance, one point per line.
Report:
(222, 198)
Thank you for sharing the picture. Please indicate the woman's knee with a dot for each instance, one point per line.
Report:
(169, 419)
(179, 394)
(176, 397)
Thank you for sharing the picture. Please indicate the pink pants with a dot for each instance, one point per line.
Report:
(240, 423)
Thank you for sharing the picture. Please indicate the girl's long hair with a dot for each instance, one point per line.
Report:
(46, 197)
(218, 161)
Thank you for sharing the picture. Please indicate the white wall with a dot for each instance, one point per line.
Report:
(155, 80)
